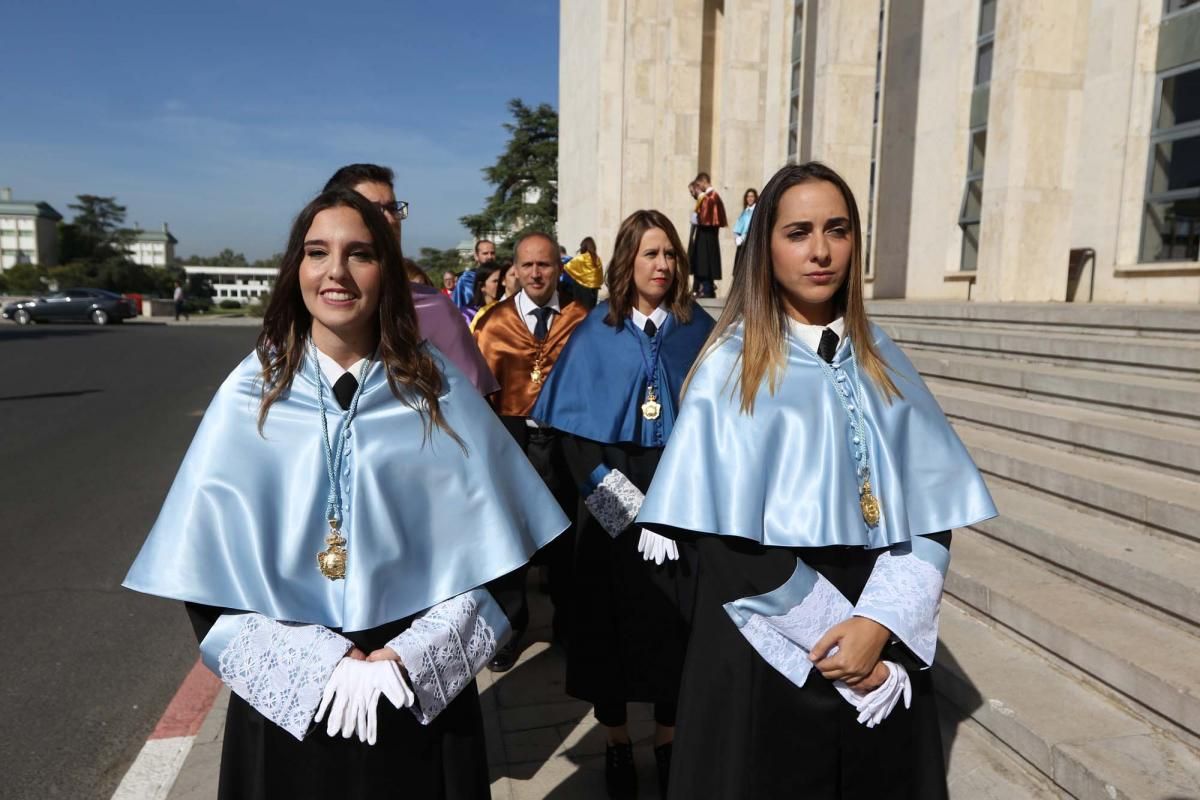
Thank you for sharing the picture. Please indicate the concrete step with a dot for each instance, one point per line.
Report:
(1162, 572)
(1145, 658)
(1089, 744)
(1162, 502)
(1136, 354)
(1132, 319)
(1171, 447)
(980, 767)
(1154, 398)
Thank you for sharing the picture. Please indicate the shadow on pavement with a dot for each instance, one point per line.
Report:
(43, 332)
(965, 696)
(47, 395)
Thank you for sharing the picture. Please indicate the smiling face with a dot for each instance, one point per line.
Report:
(537, 265)
(811, 248)
(653, 269)
(340, 278)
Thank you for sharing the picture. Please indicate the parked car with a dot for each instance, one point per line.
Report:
(72, 305)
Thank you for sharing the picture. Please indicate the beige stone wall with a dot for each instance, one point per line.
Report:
(1033, 132)
(652, 91)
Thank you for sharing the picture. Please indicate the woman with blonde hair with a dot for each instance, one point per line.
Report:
(819, 480)
(309, 534)
(583, 275)
(614, 394)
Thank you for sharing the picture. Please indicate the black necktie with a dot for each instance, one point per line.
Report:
(828, 346)
(650, 328)
(543, 322)
(344, 390)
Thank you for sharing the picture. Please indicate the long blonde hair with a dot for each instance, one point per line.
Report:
(754, 299)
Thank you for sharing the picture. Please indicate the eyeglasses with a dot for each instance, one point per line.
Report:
(398, 209)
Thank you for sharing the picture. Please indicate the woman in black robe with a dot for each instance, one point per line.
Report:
(613, 394)
(818, 481)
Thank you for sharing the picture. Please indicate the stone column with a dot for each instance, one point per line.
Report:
(1033, 131)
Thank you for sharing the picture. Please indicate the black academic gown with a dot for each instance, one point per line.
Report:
(445, 760)
(747, 733)
(629, 632)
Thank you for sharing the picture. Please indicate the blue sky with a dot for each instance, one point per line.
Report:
(223, 118)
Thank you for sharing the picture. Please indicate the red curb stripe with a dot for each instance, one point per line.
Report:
(190, 705)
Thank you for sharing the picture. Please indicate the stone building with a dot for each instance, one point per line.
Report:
(153, 248)
(1000, 150)
(28, 232)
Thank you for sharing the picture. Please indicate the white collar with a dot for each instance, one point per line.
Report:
(811, 334)
(333, 370)
(709, 190)
(525, 303)
(659, 315)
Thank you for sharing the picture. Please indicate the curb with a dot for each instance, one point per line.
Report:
(156, 767)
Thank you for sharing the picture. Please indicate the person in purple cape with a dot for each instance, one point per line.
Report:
(440, 321)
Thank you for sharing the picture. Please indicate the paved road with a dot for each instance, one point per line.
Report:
(93, 424)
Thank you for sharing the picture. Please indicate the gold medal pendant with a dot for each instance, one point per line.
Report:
(869, 504)
(536, 375)
(651, 408)
(332, 561)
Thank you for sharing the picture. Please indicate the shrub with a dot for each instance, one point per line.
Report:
(230, 303)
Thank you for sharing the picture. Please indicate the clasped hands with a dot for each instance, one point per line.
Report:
(352, 694)
(850, 652)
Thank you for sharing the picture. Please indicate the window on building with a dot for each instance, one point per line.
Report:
(793, 140)
(1171, 218)
(970, 210)
(1173, 6)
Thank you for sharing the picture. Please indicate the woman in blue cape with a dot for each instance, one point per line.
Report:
(819, 481)
(333, 530)
(614, 394)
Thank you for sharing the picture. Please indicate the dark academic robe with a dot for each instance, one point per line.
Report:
(773, 494)
(706, 247)
(628, 616)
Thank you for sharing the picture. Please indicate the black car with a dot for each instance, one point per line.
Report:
(73, 305)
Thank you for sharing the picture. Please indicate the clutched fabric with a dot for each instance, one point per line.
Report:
(425, 519)
(785, 475)
(599, 383)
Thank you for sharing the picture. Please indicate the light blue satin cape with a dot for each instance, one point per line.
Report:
(785, 475)
(424, 521)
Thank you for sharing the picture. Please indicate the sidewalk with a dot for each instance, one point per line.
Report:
(201, 321)
(543, 745)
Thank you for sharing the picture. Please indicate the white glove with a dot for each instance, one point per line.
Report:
(874, 706)
(657, 548)
(386, 679)
(345, 699)
(737, 240)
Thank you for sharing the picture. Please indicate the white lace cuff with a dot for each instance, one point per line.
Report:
(784, 624)
(615, 502)
(904, 594)
(447, 646)
(279, 668)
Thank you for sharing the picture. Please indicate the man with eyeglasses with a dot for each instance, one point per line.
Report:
(440, 321)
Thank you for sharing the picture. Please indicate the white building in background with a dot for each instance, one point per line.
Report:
(999, 150)
(244, 284)
(28, 232)
(153, 248)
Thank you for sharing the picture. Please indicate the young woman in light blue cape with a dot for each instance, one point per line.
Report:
(819, 480)
(333, 529)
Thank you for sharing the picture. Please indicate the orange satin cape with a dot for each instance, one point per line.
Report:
(511, 352)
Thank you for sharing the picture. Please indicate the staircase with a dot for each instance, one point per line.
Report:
(1071, 626)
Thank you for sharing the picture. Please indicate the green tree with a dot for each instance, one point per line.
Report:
(525, 175)
(435, 262)
(270, 262)
(25, 279)
(225, 258)
(97, 232)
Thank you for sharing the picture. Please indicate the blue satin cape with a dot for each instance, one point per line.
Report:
(785, 476)
(424, 521)
(598, 384)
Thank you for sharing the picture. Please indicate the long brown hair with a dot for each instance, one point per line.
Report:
(754, 299)
(412, 374)
(622, 292)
